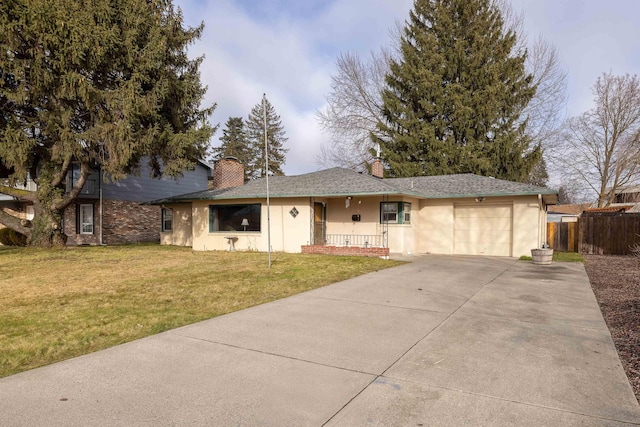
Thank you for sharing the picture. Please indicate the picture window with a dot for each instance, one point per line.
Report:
(236, 218)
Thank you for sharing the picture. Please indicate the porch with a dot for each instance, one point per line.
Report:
(372, 245)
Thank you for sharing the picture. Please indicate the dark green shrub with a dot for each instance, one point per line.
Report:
(8, 237)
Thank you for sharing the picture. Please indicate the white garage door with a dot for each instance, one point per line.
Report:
(483, 229)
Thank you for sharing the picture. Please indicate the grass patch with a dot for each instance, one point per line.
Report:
(61, 303)
(560, 257)
(567, 257)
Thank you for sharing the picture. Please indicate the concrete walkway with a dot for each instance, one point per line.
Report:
(441, 341)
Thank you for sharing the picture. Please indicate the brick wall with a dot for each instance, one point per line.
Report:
(227, 172)
(74, 239)
(377, 169)
(130, 222)
(345, 250)
(124, 222)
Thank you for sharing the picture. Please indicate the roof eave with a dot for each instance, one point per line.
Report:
(298, 195)
(551, 197)
(493, 194)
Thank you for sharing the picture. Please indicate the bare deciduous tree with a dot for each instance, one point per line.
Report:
(354, 103)
(601, 147)
(354, 108)
(544, 111)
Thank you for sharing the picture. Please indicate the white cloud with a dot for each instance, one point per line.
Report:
(592, 37)
(291, 61)
(288, 49)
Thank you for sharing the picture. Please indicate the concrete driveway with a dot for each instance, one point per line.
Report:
(441, 341)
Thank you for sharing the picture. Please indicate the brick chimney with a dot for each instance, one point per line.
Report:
(377, 169)
(227, 172)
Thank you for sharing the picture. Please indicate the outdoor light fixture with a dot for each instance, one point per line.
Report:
(347, 202)
(480, 199)
(245, 223)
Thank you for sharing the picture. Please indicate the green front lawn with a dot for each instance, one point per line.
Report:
(58, 304)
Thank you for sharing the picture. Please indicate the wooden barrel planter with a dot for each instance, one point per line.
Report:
(542, 256)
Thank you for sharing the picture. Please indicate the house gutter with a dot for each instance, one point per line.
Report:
(343, 194)
(542, 223)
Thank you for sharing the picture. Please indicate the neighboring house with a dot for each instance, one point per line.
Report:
(112, 212)
(566, 213)
(614, 208)
(345, 212)
(630, 194)
(626, 200)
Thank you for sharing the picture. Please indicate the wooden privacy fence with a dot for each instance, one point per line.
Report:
(609, 233)
(598, 233)
(563, 236)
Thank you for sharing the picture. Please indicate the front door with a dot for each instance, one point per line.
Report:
(319, 224)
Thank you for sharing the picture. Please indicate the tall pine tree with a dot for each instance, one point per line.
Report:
(452, 101)
(235, 143)
(87, 83)
(275, 140)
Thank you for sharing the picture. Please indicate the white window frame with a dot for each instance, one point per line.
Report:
(395, 212)
(406, 210)
(86, 219)
(389, 212)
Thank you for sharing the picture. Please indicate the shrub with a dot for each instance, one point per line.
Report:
(9, 237)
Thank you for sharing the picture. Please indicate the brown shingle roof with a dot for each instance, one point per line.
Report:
(610, 209)
(569, 209)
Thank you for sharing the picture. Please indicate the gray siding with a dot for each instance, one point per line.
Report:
(144, 188)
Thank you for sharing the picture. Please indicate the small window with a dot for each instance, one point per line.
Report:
(167, 219)
(390, 212)
(86, 219)
(395, 212)
(407, 213)
(235, 218)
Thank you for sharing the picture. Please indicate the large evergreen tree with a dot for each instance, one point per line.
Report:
(453, 100)
(93, 83)
(539, 174)
(275, 140)
(235, 143)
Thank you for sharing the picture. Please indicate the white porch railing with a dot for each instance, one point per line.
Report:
(361, 240)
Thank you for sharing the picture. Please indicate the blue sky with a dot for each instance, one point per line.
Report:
(287, 49)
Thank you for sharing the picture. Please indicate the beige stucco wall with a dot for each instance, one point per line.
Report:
(288, 234)
(431, 229)
(436, 232)
(401, 238)
(182, 226)
(527, 213)
(339, 216)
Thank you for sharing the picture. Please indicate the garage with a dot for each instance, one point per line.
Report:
(483, 229)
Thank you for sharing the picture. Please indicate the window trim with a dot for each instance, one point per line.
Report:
(258, 223)
(164, 220)
(406, 213)
(402, 212)
(386, 214)
(81, 223)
